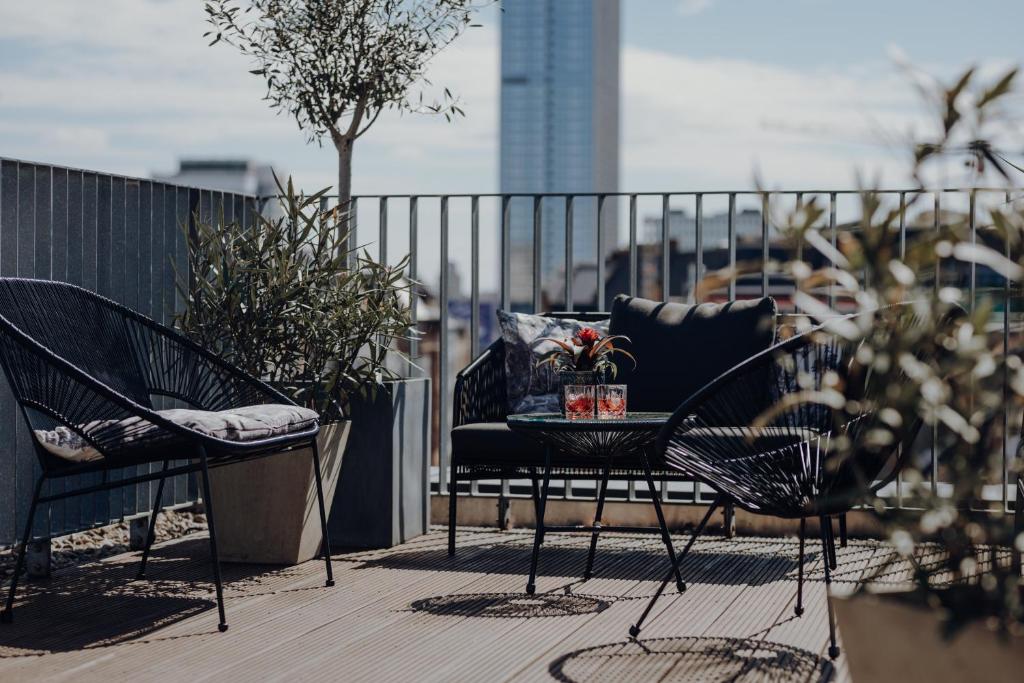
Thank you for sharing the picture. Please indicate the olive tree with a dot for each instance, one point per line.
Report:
(336, 65)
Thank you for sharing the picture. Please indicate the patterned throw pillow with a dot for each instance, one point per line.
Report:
(531, 389)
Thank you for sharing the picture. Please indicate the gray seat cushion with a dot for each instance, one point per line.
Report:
(248, 423)
(679, 348)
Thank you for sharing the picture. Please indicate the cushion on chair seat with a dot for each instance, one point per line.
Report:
(495, 443)
(486, 442)
(248, 423)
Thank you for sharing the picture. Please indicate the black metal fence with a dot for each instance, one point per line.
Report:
(111, 234)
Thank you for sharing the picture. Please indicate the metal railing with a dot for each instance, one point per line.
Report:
(520, 221)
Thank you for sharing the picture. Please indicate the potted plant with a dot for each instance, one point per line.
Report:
(962, 615)
(280, 299)
(584, 359)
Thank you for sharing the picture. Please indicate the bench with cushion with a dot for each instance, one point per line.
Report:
(679, 348)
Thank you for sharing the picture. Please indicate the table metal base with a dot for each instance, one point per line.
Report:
(540, 499)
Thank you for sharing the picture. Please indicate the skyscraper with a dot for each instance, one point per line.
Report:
(559, 123)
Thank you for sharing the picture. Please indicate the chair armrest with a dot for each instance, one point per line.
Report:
(480, 388)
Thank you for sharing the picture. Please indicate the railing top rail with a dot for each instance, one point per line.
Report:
(130, 178)
(693, 193)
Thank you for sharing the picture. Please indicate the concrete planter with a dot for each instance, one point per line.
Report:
(893, 637)
(266, 509)
(383, 496)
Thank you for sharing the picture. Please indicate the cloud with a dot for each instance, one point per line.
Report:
(141, 88)
(702, 123)
(689, 8)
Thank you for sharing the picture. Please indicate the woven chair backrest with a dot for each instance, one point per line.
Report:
(91, 333)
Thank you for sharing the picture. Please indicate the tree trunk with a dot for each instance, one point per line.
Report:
(346, 219)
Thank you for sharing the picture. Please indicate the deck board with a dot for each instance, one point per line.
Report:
(413, 613)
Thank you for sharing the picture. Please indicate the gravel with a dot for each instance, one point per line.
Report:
(95, 544)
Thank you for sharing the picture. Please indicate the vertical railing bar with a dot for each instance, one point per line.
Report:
(569, 266)
(698, 271)
(414, 343)
(832, 237)
(443, 352)
(537, 260)
(937, 207)
(474, 276)
(765, 252)
(800, 243)
(382, 231)
(903, 225)
(666, 255)
(601, 251)
(903, 255)
(972, 222)
(352, 225)
(632, 246)
(1007, 300)
(732, 246)
(506, 249)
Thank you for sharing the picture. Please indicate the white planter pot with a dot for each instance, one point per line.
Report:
(889, 639)
(266, 509)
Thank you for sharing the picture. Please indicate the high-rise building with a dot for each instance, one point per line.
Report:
(559, 124)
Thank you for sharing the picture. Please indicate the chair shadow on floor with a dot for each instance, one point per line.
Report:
(103, 604)
(705, 565)
(691, 659)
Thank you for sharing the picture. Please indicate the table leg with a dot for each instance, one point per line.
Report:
(597, 517)
(665, 536)
(538, 535)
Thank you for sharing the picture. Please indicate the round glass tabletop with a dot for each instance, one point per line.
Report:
(549, 421)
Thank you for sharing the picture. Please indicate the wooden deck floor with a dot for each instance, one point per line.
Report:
(414, 614)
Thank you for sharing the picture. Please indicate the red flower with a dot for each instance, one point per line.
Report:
(588, 336)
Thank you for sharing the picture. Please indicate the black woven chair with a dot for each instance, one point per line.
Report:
(85, 370)
(782, 465)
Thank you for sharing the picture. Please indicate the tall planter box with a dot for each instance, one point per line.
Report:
(898, 638)
(266, 509)
(383, 496)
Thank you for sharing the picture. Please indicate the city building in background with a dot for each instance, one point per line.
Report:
(682, 228)
(559, 126)
(228, 175)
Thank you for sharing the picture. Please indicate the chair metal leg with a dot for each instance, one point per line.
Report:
(151, 534)
(214, 557)
(597, 519)
(1018, 527)
(830, 547)
(665, 536)
(325, 546)
(538, 536)
(8, 614)
(842, 530)
(799, 609)
(453, 482)
(826, 526)
(634, 630)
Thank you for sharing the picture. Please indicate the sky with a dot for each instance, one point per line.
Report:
(798, 93)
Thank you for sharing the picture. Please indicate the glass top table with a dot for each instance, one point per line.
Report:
(605, 440)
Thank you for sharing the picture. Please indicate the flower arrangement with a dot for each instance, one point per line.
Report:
(588, 351)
